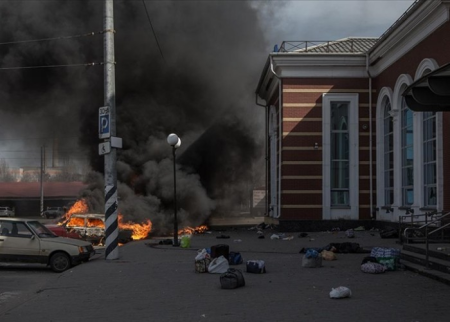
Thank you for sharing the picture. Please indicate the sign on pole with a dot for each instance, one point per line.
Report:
(104, 148)
(104, 128)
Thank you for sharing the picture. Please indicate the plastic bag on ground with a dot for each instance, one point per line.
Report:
(340, 292)
(185, 241)
(202, 254)
(328, 255)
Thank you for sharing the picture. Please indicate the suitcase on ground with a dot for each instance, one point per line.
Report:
(220, 250)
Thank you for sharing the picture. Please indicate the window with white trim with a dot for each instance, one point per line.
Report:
(429, 159)
(407, 153)
(388, 137)
(339, 154)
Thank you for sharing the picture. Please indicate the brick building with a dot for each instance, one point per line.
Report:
(342, 144)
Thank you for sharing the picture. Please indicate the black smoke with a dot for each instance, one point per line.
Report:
(199, 83)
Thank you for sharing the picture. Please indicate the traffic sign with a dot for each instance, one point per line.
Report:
(104, 118)
(104, 148)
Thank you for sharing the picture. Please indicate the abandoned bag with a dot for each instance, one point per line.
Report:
(220, 250)
(391, 263)
(218, 265)
(256, 266)
(185, 241)
(232, 278)
(340, 292)
(384, 252)
(373, 268)
(201, 265)
(311, 262)
(328, 255)
(235, 258)
(389, 257)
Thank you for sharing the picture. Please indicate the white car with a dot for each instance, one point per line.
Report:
(7, 212)
(29, 241)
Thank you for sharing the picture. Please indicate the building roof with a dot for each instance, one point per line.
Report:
(352, 45)
(15, 190)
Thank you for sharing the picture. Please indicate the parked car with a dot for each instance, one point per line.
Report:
(61, 231)
(7, 212)
(91, 227)
(29, 241)
(53, 212)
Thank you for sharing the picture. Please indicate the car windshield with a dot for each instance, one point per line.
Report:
(41, 230)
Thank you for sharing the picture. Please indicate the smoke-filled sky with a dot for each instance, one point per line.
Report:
(199, 83)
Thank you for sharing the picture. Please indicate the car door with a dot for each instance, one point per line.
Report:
(20, 244)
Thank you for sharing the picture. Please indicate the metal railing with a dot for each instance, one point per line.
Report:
(436, 221)
(320, 46)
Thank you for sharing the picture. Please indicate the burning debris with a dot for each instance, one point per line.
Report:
(193, 231)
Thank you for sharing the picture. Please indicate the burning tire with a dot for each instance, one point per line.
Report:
(59, 262)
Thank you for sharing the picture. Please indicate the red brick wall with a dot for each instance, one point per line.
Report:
(301, 184)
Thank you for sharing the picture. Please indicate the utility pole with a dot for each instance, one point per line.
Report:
(111, 221)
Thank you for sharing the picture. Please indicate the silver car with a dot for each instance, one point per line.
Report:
(29, 241)
(7, 212)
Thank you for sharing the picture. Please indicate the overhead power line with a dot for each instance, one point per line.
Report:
(153, 30)
(53, 66)
(49, 39)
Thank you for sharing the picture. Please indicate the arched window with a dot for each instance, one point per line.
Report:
(407, 154)
(388, 140)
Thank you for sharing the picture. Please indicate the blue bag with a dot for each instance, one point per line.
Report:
(235, 258)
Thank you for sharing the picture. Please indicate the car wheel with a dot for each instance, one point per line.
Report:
(59, 262)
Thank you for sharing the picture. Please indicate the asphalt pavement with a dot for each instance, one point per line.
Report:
(156, 282)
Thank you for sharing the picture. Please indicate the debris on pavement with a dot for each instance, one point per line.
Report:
(340, 292)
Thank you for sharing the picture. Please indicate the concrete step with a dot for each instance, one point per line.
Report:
(439, 251)
(430, 273)
(435, 264)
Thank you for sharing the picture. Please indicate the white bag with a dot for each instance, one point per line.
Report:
(202, 254)
(218, 265)
(340, 292)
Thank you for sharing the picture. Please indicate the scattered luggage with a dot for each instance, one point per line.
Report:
(220, 250)
(232, 278)
(389, 257)
(340, 292)
(202, 261)
(218, 265)
(235, 258)
(256, 266)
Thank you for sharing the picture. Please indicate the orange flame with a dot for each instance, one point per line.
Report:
(140, 231)
(190, 231)
(79, 207)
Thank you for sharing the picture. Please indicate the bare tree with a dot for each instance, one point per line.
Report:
(6, 174)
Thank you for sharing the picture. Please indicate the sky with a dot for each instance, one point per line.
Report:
(331, 19)
(184, 67)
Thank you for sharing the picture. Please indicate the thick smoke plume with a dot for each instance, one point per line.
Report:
(199, 83)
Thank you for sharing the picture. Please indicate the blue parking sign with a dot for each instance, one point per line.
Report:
(104, 128)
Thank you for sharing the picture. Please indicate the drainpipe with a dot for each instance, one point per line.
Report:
(266, 151)
(280, 136)
(370, 137)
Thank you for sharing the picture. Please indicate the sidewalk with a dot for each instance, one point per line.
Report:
(152, 282)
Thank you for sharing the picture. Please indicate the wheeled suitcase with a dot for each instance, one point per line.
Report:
(220, 250)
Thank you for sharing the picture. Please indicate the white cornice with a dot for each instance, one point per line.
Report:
(319, 66)
(430, 16)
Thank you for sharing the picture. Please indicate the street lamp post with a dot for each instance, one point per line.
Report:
(175, 142)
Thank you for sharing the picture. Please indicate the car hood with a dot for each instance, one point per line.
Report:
(66, 241)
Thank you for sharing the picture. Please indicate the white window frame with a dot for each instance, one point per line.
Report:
(351, 211)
